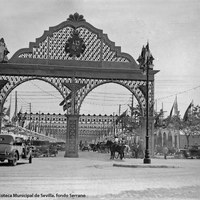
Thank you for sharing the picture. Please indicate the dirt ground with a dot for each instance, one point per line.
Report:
(93, 176)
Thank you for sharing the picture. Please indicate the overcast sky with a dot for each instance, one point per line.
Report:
(171, 26)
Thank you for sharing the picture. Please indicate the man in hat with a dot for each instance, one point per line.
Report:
(3, 51)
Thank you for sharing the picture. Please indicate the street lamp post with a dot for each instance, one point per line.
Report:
(145, 61)
(147, 159)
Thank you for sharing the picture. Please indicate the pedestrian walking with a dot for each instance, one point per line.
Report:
(165, 152)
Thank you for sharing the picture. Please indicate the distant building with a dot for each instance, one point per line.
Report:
(91, 127)
(166, 137)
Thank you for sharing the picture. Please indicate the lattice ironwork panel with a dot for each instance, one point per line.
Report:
(26, 55)
(14, 81)
(57, 44)
(41, 52)
(110, 55)
(92, 43)
(53, 47)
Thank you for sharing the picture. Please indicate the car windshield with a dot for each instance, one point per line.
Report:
(6, 139)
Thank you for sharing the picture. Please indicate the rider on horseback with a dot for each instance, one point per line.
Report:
(116, 140)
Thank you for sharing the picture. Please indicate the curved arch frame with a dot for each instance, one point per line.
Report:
(116, 82)
(132, 86)
(11, 85)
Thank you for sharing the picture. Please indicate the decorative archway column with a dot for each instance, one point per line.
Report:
(2, 84)
(71, 149)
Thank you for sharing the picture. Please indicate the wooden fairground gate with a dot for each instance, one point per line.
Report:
(75, 57)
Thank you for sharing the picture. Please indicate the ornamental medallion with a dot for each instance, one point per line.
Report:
(75, 45)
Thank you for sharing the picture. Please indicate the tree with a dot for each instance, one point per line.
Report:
(191, 126)
(133, 122)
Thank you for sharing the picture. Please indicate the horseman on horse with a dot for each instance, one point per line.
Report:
(116, 146)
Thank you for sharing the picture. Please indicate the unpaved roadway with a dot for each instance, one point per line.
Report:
(92, 176)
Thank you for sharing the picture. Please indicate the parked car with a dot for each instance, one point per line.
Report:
(194, 151)
(40, 148)
(61, 146)
(14, 148)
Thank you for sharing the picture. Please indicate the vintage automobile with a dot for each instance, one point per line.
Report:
(53, 149)
(40, 148)
(14, 148)
(182, 153)
(61, 146)
(194, 151)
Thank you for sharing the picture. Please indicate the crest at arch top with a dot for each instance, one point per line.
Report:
(73, 39)
(76, 18)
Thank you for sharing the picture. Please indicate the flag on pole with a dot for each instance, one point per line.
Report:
(170, 115)
(14, 118)
(186, 115)
(176, 112)
(66, 103)
(66, 106)
(8, 111)
(62, 102)
(158, 122)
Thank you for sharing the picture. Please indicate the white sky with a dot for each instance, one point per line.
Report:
(171, 26)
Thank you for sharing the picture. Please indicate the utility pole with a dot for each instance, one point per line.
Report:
(30, 108)
(119, 109)
(113, 124)
(132, 112)
(156, 106)
(132, 107)
(39, 123)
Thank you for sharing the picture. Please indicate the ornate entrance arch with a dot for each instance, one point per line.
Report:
(75, 56)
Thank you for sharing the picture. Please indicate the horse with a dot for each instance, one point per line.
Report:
(114, 147)
(93, 147)
(103, 147)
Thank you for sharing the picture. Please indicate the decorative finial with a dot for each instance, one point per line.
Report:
(76, 18)
(3, 51)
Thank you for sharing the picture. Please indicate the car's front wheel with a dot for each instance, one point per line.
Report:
(13, 162)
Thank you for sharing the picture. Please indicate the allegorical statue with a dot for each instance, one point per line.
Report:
(3, 51)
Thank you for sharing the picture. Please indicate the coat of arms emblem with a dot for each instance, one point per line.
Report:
(75, 45)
